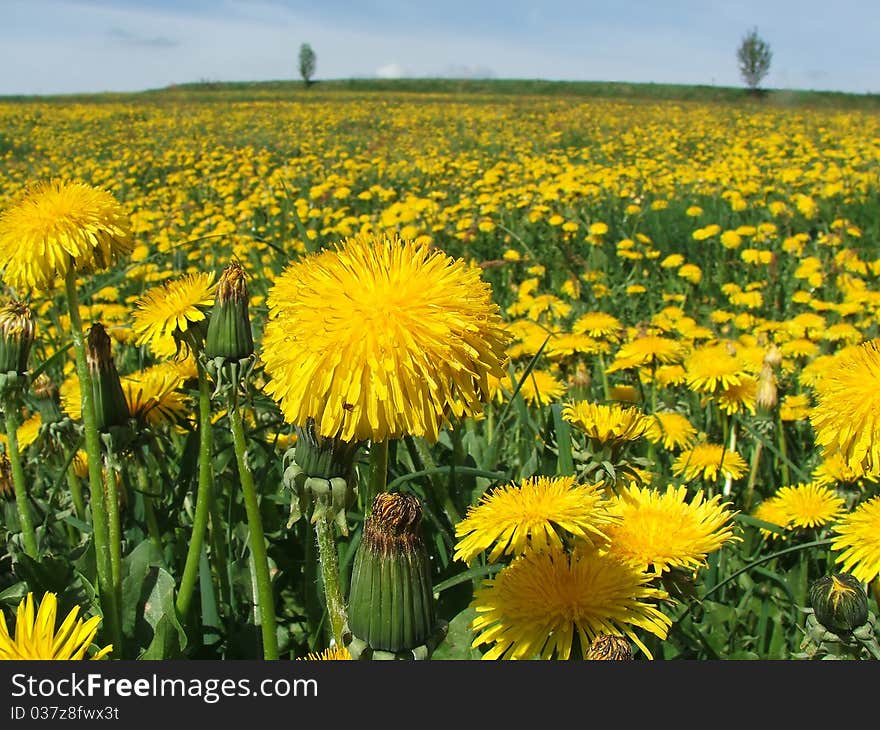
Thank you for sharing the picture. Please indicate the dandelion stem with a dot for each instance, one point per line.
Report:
(109, 605)
(203, 497)
(329, 559)
(257, 537)
(111, 496)
(378, 480)
(18, 480)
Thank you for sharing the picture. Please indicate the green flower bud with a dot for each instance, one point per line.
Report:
(16, 337)
(229, 327)
(839, 602)
(391, 603)
(111, 407)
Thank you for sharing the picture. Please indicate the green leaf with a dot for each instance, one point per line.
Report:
(457, 644)
(169, 638)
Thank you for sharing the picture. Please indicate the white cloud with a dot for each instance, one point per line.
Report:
(391, 71)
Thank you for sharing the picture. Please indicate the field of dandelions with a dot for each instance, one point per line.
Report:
(417, 377)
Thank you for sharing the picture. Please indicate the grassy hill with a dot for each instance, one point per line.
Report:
(210, 91)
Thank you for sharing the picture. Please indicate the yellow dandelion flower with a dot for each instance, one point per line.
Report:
(606, 424)
(858, 536)
(847, 415)
(36, 637)
(773, 511)
(531, 515)
(167, 312)
(538, 605)
(739, 398)
(59, 226)
(660, 531)
(712, 368)
(599, 325)
(379, 338)
(808, 505)
(834, 470)
(672, 430)
(709, 461)
(29, 431)
(647, 350)
(795, 407)
(540, 388)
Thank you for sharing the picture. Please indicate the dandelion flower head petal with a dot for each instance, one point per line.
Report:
(662, 530)
(709, 461)
(536, 606)
(606, 424)
(858, 536)
(847, 414)
(36, 638)
(672, 430)
(531, 515)
(712, 368)
(171, 309)
(381, 337)
(808, 505)
(58, 226)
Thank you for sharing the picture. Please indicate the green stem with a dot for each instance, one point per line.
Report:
(203, 498)
(606, 389)
(109, 606)
(441, 486)
(111, 494)
(753, 476)
(783, 450)
(378, 480)
(257, 538)
(329, 559)
(21, 496)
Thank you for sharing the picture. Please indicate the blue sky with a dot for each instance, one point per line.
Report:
(66, 46)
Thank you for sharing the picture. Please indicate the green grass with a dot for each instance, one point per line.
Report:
(293, 89)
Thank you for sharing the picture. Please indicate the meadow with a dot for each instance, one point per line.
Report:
(674, 449)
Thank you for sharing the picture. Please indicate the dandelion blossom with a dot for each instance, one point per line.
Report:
(808, 505)
(709, 461)
(847, 415)
(379, 338)
(672, 430)
(858, 536)
(532, 514)
(606, 424)
(661, 531)
(168, 311)
(536, 606)
(58, 226)
(36, 637)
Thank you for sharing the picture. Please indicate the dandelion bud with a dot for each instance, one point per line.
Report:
(7, 487)
(16, 337)
(609, 648)
(391, 604)
(229, 329)
(111, 407)
(773, 356)
(839, 602)
(768, 394)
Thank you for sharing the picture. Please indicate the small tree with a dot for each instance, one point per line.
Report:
(754, 59)
(306, 63)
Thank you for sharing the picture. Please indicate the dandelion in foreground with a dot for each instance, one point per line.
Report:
(660, 531)
(379, 338)
(58, 226)
(36, 637)
(539, 605)
(536, 514)
(709, 461)
(672, 430)
(172, 318)
(847, 415)
(858, 536)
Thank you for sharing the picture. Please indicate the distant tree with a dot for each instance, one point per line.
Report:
(754, 59)
(307, 61)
